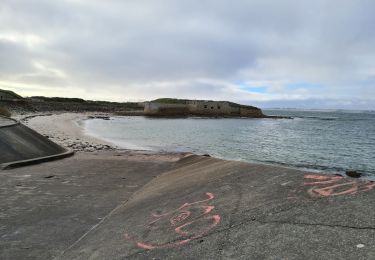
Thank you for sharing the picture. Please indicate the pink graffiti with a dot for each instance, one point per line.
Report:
(183, 221)
(327, 186)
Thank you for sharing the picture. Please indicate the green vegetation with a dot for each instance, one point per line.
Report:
(60, 99)
(171, 101)
(79, 103)
(185, 101)
(9, 92)
(4, 112)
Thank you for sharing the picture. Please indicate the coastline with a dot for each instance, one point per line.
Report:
(66, 129)
(117, 204)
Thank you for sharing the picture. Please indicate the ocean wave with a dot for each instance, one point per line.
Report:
(320, 118)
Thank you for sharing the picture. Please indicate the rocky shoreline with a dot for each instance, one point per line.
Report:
(81, 146)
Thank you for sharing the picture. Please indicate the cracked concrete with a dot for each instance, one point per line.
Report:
(195, 208)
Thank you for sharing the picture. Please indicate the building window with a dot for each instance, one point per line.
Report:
(212, 107)
(218, 107)
(205, 106)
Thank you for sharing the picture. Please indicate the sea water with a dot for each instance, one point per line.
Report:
(332, 141)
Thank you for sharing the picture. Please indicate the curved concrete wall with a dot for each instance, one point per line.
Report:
(18, 143)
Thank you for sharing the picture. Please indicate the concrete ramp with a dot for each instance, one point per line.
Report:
(117, 205)
(20, 145)
(206, 208)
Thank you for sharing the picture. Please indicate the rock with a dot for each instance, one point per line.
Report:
(99, 117)
(353, 174)
(90, 149)
(206, 155)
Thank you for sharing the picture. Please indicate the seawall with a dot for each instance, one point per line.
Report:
(20, 145)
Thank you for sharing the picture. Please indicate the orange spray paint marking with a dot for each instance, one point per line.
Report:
(351, 188)
(179, 217)
(369, 186)
(319, 179)
(329, 186)
(180, 221)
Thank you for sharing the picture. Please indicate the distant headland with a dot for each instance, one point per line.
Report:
(209, 108)
(12, 103)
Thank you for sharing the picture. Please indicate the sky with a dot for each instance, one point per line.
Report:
(290, 53)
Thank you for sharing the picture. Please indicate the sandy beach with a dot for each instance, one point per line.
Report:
(66, 129)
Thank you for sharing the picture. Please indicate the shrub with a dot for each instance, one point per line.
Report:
(4, 112)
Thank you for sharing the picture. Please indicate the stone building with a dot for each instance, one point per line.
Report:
(164, 109)
(181, 107)
(6, 95)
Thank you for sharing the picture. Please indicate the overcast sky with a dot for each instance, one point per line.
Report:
(311, 54)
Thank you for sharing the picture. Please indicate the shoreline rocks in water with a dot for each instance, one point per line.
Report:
(99, 117)
(353, 174)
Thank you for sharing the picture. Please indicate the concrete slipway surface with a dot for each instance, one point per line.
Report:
(109, 205)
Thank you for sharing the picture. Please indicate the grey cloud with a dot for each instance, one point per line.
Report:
(135, 46)
(14, 59)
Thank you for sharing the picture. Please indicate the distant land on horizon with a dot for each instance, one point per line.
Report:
(259, 104)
